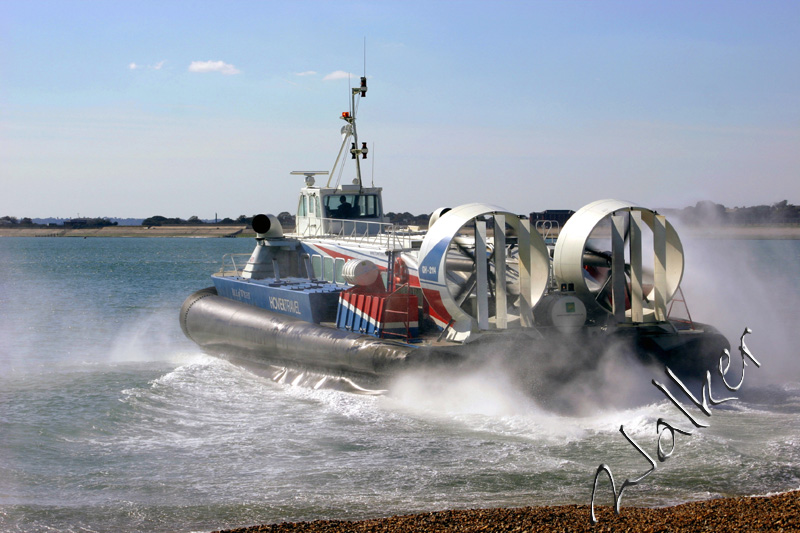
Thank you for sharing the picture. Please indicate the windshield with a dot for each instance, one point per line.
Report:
(352, 206)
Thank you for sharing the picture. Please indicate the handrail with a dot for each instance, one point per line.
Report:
(373, 233)
(236, 270)
(549, 229)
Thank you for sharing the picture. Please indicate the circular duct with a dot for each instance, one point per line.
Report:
(436, 215)
(646, 246)
(469, 269)
(267, 226)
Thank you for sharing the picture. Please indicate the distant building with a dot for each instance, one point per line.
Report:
(554, 215)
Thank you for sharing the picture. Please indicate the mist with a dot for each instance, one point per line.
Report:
(564, 376)
(729, 284)
(733, 284)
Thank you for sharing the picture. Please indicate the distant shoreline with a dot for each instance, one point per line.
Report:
(206, 231)
(743, 232)
(215, 231)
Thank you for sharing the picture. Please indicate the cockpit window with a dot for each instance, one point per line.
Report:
(352, 206)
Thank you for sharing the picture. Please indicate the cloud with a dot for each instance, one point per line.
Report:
(213, 66)
(306, 73)
(157, 66)
(338, 75)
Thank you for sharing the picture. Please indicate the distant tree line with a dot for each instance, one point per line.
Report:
(194, 220)
(286, 219)
(705, 212)
(407, 219)
(88, 223)
(14, 221)
(717, 214)
(74, 223)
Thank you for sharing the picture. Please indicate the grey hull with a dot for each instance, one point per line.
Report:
(257, 337)
(543, 361)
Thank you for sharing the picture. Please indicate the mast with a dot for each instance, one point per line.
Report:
(349, 130)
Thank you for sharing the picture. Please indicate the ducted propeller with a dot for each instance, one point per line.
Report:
(481, 268)
(604, 252)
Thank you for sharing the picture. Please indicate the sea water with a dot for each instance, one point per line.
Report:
(110, 420)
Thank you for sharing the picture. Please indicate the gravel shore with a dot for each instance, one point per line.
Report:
(773, 513)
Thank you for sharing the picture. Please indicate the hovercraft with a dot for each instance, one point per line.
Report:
(348, 294)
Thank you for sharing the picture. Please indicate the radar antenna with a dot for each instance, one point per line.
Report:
(309, 174)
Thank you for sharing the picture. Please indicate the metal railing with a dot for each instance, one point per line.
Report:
(549, 229)
(236, 266)
(360, 232)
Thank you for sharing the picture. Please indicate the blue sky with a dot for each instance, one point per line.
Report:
(134, 109)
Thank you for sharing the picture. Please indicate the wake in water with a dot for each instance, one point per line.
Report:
(316, 381)
(560, 381)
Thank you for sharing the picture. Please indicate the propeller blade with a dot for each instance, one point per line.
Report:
(466, 289)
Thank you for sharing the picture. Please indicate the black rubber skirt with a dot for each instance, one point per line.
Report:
(257, 337)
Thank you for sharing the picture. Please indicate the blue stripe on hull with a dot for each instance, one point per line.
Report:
(300, 298)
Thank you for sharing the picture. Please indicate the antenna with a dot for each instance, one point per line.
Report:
(372, 177)
(309, 174)
(349, 130)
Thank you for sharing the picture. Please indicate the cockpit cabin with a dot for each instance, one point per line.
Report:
(345, 210)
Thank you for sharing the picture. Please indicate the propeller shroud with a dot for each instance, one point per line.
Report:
(474, 279)
(623, 292)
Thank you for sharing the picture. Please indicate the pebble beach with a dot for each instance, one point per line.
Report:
(771, 513)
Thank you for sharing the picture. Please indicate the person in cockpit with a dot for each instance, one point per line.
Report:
(345, 209)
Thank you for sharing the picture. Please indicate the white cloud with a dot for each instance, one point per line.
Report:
(306, 73)
(157, 66)
(213, 66)
(338, 75)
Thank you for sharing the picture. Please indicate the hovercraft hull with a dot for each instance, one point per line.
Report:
(258, 338)
(261, 340)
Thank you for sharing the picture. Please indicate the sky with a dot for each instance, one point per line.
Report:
(179, 109)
